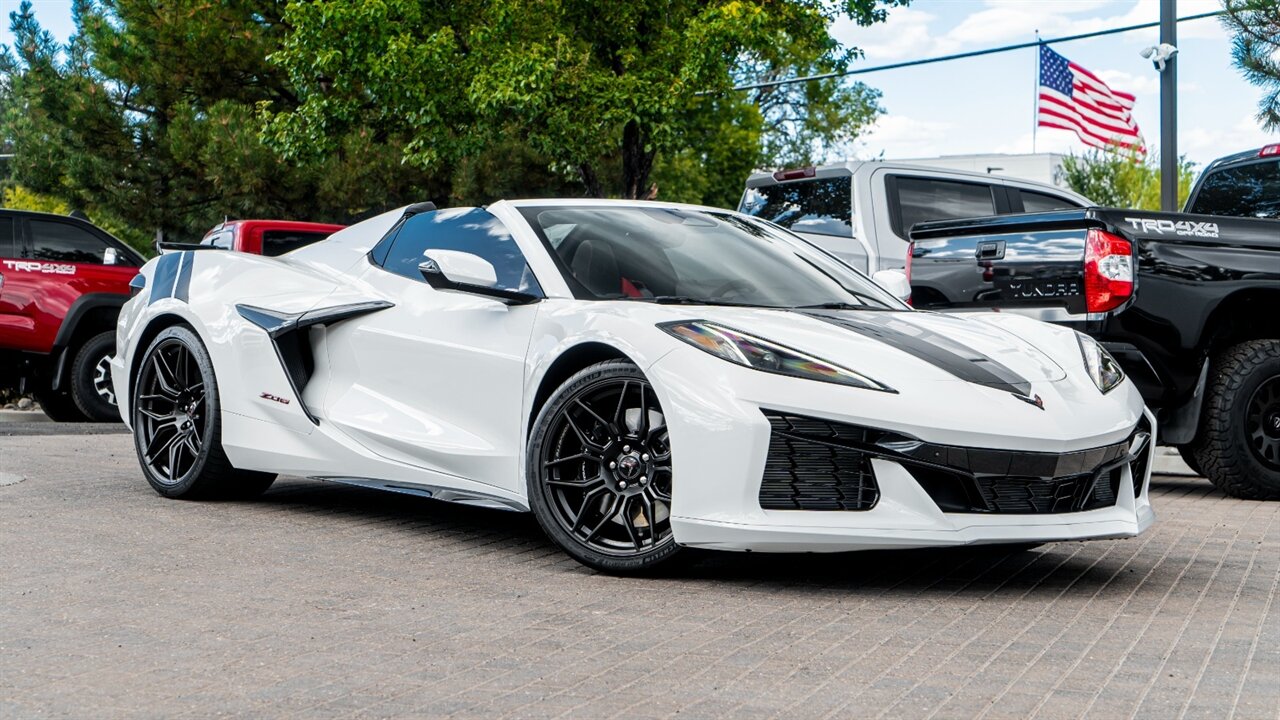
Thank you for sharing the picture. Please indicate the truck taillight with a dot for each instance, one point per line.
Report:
(795, 174)
(1108, 271)
(1269, 150)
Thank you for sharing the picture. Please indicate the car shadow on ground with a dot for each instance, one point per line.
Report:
(1049, 570)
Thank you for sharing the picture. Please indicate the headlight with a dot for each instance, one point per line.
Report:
(753, 352)
(1103, 368)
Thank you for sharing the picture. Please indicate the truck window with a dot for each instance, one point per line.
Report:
(924, 199)
(1034, 202)
(8, 247)
(822, 207)
(279, 242)
(1251, 190)
(221, 239)
(64, 242)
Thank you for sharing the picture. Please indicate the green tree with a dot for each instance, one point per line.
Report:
(599, 89)
(1256, 51)
(149, 115)
(1118, 180)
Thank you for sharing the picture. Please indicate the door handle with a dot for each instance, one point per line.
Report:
(990, 250)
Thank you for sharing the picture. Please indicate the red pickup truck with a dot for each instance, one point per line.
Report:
(267, 237)
(62, 283)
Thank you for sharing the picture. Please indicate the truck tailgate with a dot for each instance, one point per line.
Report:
(1031, 260)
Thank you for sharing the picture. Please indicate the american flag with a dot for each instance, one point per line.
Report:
(1072, 98)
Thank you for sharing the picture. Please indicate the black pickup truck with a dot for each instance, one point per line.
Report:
(1189, 304)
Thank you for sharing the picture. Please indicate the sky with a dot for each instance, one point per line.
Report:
(987, 104)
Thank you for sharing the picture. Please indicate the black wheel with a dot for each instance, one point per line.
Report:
(91, 387)
(1189, 457)
(1238, 444)
(599, 471)
(59, 406)
(177, 425)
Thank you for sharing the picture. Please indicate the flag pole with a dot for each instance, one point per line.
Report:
(1035, 107)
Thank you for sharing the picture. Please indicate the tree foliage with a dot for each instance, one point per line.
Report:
(607, 91)
(1256, 51)
(1113, 179)
(149, 115)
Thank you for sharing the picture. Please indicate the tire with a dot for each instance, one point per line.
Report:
(599, 471)
(90, 379)
(1238, 444)
(59, 406)
(1189, 457)
(177, 423)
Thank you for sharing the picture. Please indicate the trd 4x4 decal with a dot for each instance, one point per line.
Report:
(40, 267)
(1181, 227)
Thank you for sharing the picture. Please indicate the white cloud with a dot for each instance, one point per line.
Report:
(1046, 140)
(1136, 84)
(905, 35)
(1209, 143)
(899, 136)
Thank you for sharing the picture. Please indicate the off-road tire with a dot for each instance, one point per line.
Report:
(59, 406)
(1188, 454)
(210, 475)
(641, 561)
(84, 378)
(1223, 448)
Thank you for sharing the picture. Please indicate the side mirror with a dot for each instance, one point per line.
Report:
(462, 268)
(467, 272)
(894, 282)
(110, 256)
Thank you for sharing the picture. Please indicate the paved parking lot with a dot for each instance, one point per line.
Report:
(328, 601)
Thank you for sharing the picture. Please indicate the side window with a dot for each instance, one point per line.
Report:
(64, 242)
(924, 199)
(471, 230)
(279, 242)
(1033, 202)
(8, 244)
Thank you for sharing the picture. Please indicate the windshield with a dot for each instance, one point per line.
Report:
(820, 207)
(665, 254)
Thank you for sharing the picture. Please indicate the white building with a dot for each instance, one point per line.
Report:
(1040, 167)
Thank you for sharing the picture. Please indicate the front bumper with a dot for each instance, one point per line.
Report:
(721, 437)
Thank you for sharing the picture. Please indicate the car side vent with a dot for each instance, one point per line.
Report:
(292, 341)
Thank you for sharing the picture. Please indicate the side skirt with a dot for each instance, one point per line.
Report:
(434, 492)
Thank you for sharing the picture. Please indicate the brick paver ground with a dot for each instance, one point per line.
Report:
(326, 601)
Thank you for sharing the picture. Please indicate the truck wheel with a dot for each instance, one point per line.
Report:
(58, 406)
(1238, 445)
(90, 379)
(1189, 457)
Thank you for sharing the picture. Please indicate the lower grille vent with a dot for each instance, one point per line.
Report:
(808, 469)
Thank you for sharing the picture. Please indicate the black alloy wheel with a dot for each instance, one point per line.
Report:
(172, 411)
(177, 428)
(1262, 422)
(600, 470)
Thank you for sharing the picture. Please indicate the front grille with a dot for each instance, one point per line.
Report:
(810, 467)
(816, 464)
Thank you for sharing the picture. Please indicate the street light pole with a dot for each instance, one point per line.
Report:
(1169, 110)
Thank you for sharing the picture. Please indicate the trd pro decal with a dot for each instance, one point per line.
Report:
(40, 267)
(1185, 228)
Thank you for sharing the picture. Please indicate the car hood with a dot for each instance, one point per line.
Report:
(898, 347)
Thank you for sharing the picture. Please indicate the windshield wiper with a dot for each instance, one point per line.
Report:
(687, 300)
(840, 306)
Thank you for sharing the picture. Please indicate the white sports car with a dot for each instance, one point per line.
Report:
(641, 376)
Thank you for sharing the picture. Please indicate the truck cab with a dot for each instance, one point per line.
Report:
(861, 212)
(267, 237)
